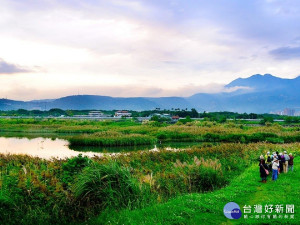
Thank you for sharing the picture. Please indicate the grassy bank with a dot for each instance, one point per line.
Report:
(207, 208)
(36, 191)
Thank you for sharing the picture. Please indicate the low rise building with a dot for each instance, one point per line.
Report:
(175, 118)
(122, 113)
(95, 114)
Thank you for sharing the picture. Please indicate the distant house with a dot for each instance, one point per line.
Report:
(175, 118)
(92, 114)
(96, 114)
(122, 113)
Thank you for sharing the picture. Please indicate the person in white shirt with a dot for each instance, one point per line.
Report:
(286, 162)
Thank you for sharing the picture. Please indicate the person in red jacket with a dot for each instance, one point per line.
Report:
(291, 162)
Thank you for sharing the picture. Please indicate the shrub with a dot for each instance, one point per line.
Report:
(72, 167)
(198, 176)
(204, 179)
(204, 175)
(106, 186)
(111, 139)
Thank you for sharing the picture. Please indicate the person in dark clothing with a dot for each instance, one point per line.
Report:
(262, 169)
(278, 157)
(291, 162)
(281, 161)
(269, 162)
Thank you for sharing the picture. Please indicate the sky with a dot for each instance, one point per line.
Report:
(151, 48)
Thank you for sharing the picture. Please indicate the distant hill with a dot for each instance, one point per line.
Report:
(101, 102)
(264, 93)
(81, 102)
(259, 94)
(265, 82)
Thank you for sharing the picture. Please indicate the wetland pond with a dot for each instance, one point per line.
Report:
(47, 146)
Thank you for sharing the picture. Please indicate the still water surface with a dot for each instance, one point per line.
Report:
(47, 148)
(41, 147)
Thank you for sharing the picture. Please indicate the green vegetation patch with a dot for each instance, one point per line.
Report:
(208, 208)
(36, 191)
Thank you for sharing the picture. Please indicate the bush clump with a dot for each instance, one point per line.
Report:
(109, 185)
(72, 167)
(111, 139)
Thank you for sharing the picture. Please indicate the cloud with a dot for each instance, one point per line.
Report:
(9, 68)
(23, 92)
(123, 45)
(286, 53)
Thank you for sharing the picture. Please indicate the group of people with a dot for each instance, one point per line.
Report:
(276, 163)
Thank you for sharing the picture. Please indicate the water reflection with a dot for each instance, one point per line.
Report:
(169, 145)
(48, 147)
(111, 149)
(41, 147)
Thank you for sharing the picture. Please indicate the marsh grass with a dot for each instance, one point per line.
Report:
(131, 133)
(35, 191)
(207, 208)
(110, 138)
(101, 186)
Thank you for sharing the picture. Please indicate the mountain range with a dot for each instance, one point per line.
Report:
(257, 94)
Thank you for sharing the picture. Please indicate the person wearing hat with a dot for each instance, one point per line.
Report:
(286, 162)
(275, 166)
(263, 169)
(291, 162)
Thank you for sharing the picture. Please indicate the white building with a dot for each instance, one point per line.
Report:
(96, 114)
(122, 113)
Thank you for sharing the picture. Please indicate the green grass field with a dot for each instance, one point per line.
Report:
(207, 208)
(131, 133)
(146, 187)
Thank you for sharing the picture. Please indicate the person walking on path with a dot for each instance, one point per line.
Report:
(286, 162)
(291, 162)
(263, 169)
(275, 166)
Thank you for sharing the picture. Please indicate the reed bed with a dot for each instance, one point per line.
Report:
(110, 138)
(56, 191)
(129, 133)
